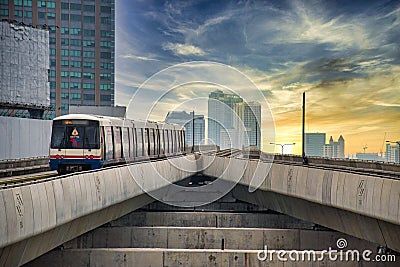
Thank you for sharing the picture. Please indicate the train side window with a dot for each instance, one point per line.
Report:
(162, 145)
(152, 142)
(166, 141)
(109, 142)
(125, 142)
(146, 141)
(117, 142)
(137, 140)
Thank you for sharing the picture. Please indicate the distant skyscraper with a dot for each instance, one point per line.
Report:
(334, 149)
(186, 119)
(221, 114)
(82, 41)
(392, 152)
(250, 115)
(314, 144)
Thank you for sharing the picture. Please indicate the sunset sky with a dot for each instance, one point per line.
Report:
(344, 54)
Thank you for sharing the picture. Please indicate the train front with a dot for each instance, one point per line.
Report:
(75, 144)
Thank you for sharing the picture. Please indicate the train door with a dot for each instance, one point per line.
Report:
(91, 142)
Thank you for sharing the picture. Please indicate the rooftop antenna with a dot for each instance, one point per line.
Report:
(365, 148)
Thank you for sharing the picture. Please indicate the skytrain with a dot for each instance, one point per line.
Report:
(86, 142)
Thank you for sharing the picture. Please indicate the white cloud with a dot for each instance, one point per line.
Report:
(183, 49)
(143, 58)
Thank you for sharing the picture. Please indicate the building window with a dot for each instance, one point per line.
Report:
(88, 54)
(105, 86)
(88, 8)
(64, 30)
(41, 3)
(52, 73)
(52, 62)
(42, 15)
(73, 6)
(88, 75)
(89, 32)
(106, 55)
(64, 74)
(64, 41)
(52, 52)
(75, 74)
(105, 9)
(64, 16)
(52, 40)
(51, 4)
(89, 96)
(74, 31)
(18, 13)
(75, 85)
(76, 42)
(88, 85)
(65, 63)
(106, 34)
(88, 19)
(106, 44)
(51, 15)
(89, 43)
(64, 95)
(3, 2)
(28, 3)
(105, 20)
(64, 52)
(88, 64)
(64, 6)
(105, 76)
(64, 85)
(3, 12)
(75, 53)
(105, 97)
(28, 14)
(106, 66)
(75, 96)
(75, 17)
(75, 64)
(17, 2)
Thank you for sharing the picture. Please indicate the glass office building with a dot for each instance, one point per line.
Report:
(82, 47)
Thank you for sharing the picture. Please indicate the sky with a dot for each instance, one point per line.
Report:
(344, 54)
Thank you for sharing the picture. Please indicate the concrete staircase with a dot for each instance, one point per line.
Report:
(154, 237)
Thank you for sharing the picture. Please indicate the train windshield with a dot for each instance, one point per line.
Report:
(75, 134)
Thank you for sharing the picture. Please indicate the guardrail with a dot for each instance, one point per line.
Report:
(12, 167)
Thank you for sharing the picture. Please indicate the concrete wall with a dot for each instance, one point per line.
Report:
(24, 138)
(372, 197)
(32, 210)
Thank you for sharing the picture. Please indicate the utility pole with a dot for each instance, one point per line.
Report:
(193, 133)
(303, 141)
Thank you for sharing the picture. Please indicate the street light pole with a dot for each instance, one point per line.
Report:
(282, 145)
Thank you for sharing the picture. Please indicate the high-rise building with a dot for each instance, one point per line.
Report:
(186, 119)
(82, 38)
(334, 149)
(221, 114)
(392, 152)
(250, 115)
(314, 144)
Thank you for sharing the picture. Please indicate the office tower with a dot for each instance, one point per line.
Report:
(81, 47)
(334, 149)
(186, 119)
(221, 115)
(314, 144)
(392, 152)
(250, 115)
